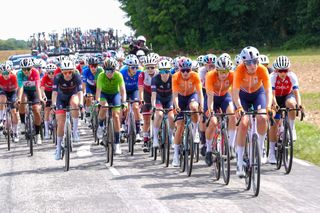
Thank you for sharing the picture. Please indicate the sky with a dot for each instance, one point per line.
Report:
(21, 18)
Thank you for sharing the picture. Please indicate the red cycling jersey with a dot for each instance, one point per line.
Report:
(9, 85)
(47, 83)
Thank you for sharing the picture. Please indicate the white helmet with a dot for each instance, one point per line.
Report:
(200, 59)
(224, 63)
(140, 53)
(195, 65)
(51, 67)
(67, 64)
(225, 55)
(164, 64)
(141, 38)
(155, 55)
(249, 53)
(150, 60)
(142, 59)
(132, 61)
(237, 60)
(8, 65)
(263, 59)
(26, 63)
(39, 63)
(281, 63)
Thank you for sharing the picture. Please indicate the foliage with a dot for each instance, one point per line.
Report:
(13, 44)
(224, 24)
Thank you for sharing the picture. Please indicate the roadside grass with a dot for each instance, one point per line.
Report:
(311, 101)
(4, 54)
(307, 146)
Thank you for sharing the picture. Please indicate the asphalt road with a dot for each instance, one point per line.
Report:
(139, 184)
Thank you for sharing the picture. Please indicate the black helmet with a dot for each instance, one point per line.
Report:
(93, 60)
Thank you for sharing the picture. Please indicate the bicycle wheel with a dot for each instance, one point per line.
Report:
(225, 158)
(67, 148)
(216, 158)
(255, 165)
(8, 126)
(189, 154)
(110, 142)
(247, 168)
(278, 153)
(287, 149)
(28, 133)
(181, 158)
(163, 140)
(267, 141)
(132, 134)
(196, 152)
(167, 144)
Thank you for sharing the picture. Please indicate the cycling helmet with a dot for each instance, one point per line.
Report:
(225, 55)
(282, 63)
(132, 61)
(150, 60)
(60, 58)
(237, 59)
(195, 65)
(200, 59)
(93, 60)
(142, 59)
(176, 62)
(140, 53)
(2, 66)
(185, 63)
(155, 55)
(224, 63)
(26, 63)
(164, 64)
(67, 64)
(263, 59)
(141, 38)
(110, 64)
(39, 63)
(8, 65)
(130, 56)
(249, 53)
(210, 59)
(51, 67)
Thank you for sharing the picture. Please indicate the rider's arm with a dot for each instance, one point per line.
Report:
(297, 96)
(238, 76)
(153, 99)
(210, 101)
(198, 86)
(83, 88)
(98, 93)
(54, 98)
(20, 92)
(267, 86)
(140, 85)
(175, 90)
(175, 99)
(236, 97)
(123, 93)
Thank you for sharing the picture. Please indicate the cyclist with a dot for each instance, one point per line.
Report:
(89, 81)
(40, 65)
(161, 97)
(110, 90)
(46, 89)
(200, 60)
(251, 86)
(195, 66)
(130, 73)
(264, 60)
(237, 61)
(209, 64)
(29, 89)
(81, 65)
(218, 84)
(144, 84)
(139, 45)
(9, 87)
(67, 91)
(187, 95)
(286, 93)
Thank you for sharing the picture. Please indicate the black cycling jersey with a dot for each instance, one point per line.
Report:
(67, 88)
(163, 89)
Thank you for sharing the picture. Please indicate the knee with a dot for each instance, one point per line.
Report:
(262, 119)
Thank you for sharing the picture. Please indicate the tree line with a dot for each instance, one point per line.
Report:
(199, 25)
(13, 44)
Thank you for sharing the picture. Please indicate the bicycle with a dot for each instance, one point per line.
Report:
(94, 123)
(108, 135)
(30, 129)
(131, 137)
(220, 146)
(8, 124)
(186, 151)
(252, 158)
(164, 138)
(284, 145)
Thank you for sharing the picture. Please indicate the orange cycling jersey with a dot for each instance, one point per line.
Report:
(186, 87)
(251, 82)
(215, 85)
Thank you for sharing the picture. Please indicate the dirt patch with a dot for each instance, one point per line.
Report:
(6, 53)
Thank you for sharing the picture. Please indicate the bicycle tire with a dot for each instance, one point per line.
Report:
(132, 134)
(8, 129)
(247, 168)
(181, 158)
(110, 141)
(255, 167)
(278, 153)
(196, 152)
(287, 149)
(28, 133)
(190, 153)
(155, 150)
(216, 163)
(163, 140)
(267, 141)
(167, 145)
(67, 148)
(225, 158)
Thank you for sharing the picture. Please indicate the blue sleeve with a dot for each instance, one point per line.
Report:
(154, 83)
(78, 83)
(84, 75)
(55, 83)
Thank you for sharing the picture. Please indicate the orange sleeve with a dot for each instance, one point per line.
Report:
(197, 81)
(210, 79)
(175, 84)
(237, 77)
(264, 75)
(230, 77)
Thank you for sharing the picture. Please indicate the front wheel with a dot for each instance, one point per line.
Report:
(189, 152)
(67, 148)
(287, 149)
(255, 166)
(225, 158)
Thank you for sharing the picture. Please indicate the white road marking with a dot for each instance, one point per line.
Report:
(302, 162)
(113, 170)
(84, 151)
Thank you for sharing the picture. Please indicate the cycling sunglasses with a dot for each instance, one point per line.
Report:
(109, 71)
(134, 67)
(283, 71)
(93, 65)
(5, 73)
(67, 72)
(250, 62)
(150, 68)
(164, 71)
(51, 73)
(185, 70)
(26, 69)
(226, 71)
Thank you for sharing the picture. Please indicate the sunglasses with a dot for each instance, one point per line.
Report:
(26, 69)
(81, 63)
(223, 71)
(94, 65)
(283, 71)
(134, 67)
(150, 68)
(51, 73)
(5, 73)
(250, 62)
(109, 71)
(185, 70)
(67, 72)
(164, 71)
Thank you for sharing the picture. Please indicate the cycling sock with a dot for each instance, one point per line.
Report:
(194, 128)
(176, 149)
(75, 124)
(202, 137)
(59, 140)
(46, 127)
(272, 147)
(101, 123)
(138, 126)
(117, 137)
(232, 137)
(155, 134)
(2, 112)
(37, 129)
(209, 145)
(291, 124)
(261, 142)
(14, 128)
(22, 117)
(240, 151)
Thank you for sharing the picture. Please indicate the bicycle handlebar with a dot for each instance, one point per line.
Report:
(293, 109)
(255, 113)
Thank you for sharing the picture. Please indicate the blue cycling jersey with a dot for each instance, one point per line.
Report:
(131, 82)
(88, 77)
